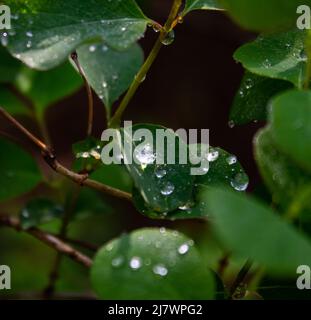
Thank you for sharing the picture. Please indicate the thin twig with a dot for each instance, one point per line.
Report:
(48, 239)
(116, 119)
(50, 158)
(240, 277)
(74, 57)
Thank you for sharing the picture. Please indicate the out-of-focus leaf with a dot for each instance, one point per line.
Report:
(201, 5)
(151, 264)
(18, 171)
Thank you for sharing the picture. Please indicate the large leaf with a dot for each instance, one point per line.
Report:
(251, 101)
(282, 176)
(151, 264)
(18, 171)
(46, 32)
(108, 71)
(278, 56)
(164, 187)
(46, 88)
(291, 125)
(201, 5)
(224, 170)
(264, 15)
(254, 231)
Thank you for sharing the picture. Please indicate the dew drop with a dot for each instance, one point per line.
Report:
(4, 39)
(169, 39)
(135, 263)
(117, 262)
(267, 64)
(104, 85)
(231, 124)
(160, 173)
(183, 249)
(168, 189)
(249, 83)
(213, 156)
(162, 230)
(240, 182)
(144, 154)
(156, 27)
(29, 44)
(29, 34)
(231, 160)
(160, 270)
(92, 48)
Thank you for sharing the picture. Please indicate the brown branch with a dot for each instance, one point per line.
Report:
(48, 239)
(74, 57)
(50, 158)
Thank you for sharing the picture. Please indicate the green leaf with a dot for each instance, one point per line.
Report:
(252, 230)
(91, 203)
(282, 176)
(164, 187)
(291, 125)
(108, 71)
(46, 32)
(18, 171)
(10, 102)
(40, 211)
(224, 170)
(251, 101)
(260, 15)
(201, 5)
(46, 88)
(114, 175)
(278, 56)
(9, 67)
(151, 264)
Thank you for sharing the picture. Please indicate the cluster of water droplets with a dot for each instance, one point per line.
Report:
(92, 153)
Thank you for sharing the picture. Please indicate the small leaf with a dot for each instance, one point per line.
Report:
(46, 32)
(109, 72)
(291, 125)
(151, 264)
(201, 5)
(260, 15)
(46, 88)
(252, 230)
(283, 177)
(278, 56)
(18, 171)
(39, 211)
(251, 100)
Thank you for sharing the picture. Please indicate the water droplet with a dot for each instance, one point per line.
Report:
(144, 154)
(29, 44)
(83, 155)
(29, 34)
(162, 230)
(4, 39)
(303, 56)
(169, 39)
(231, 124)
(180, 19)
(231, 160)
(92, 48)
(123, 29)
(249, 83)
(105, 48)
(160, 173)
(104, 84)
(117, 262)
(267, 64)
(160, 270)
(135, 263)
(241, 93)
(183, 249)
(156, 27)
(240, 182)
(213, 156)
(168, 189)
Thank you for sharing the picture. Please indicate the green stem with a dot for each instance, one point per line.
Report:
(141, 75)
